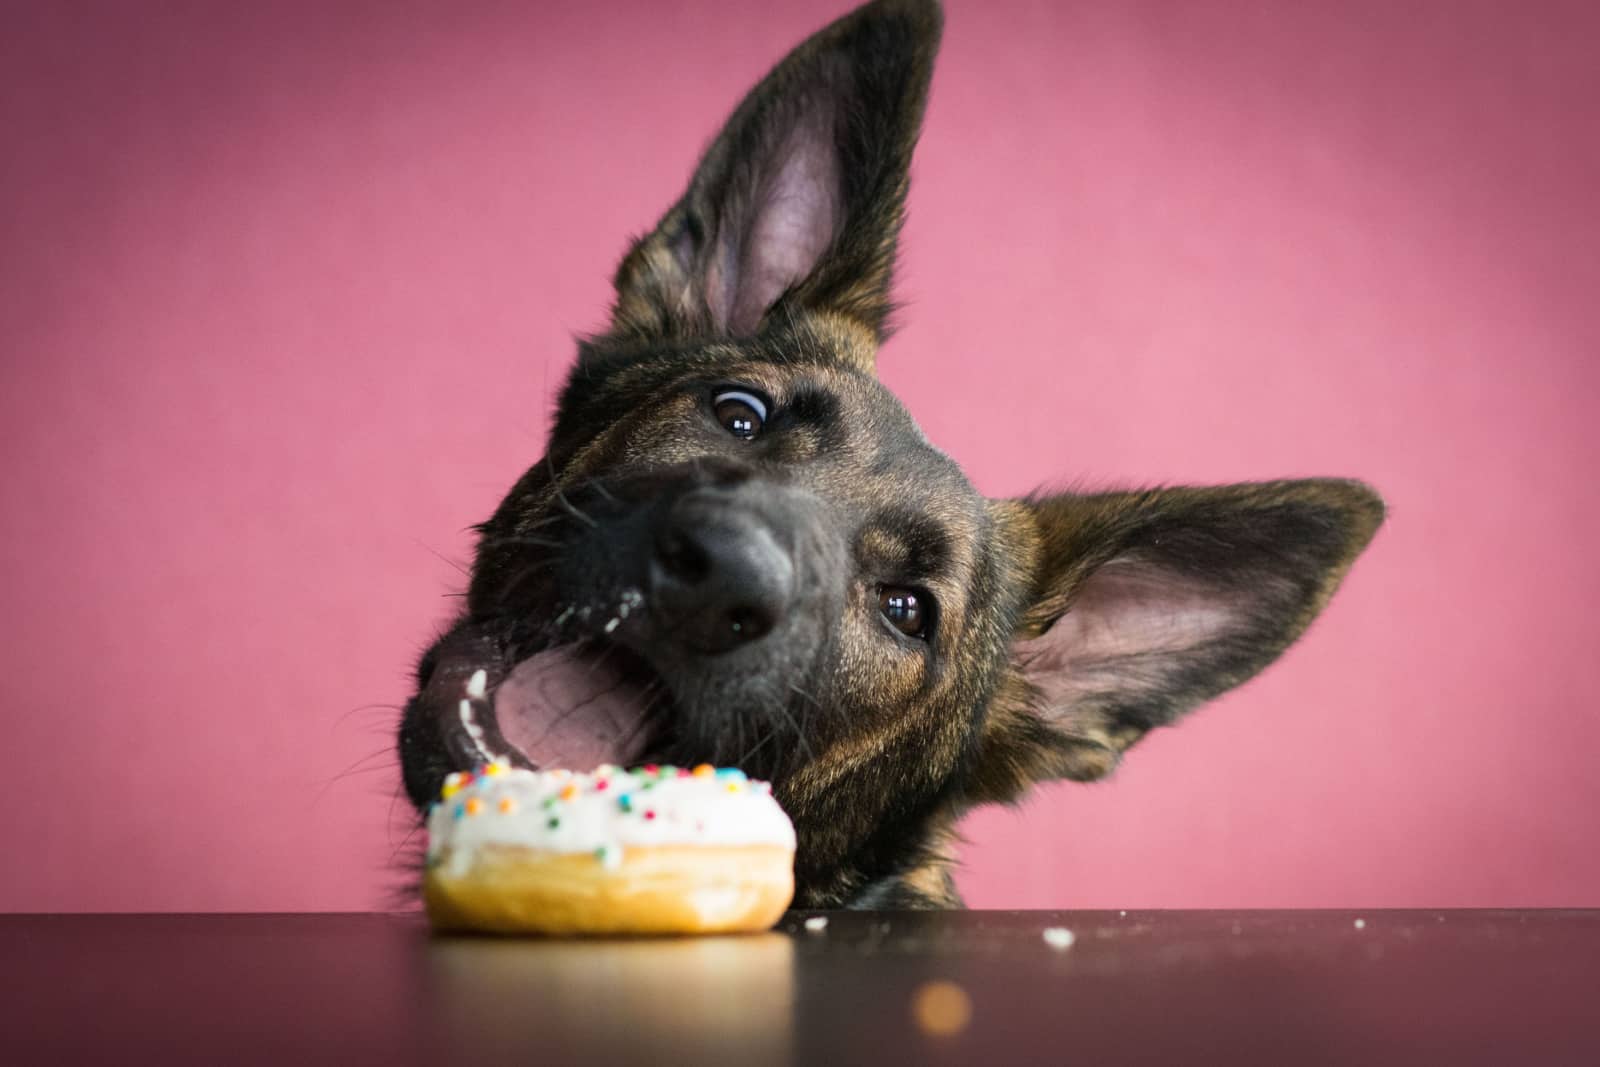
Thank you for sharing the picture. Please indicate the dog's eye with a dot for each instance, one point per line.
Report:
(741, 414)
(905, 610)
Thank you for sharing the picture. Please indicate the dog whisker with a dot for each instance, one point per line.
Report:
(364, 765)
(803, 695)
(392, 708)
(521, 540)
(454, 563)
(567, 505)
(415, 825)
(601, 489)
(799, 734)
(404, 841)
(524, 575)
(648, 696)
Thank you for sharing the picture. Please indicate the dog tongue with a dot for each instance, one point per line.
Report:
(563, 709)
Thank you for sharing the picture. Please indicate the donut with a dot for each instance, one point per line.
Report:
(656, 850)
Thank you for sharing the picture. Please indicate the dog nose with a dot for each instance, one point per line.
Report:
(719, 577)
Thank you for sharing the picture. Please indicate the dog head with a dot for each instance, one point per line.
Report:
(740, 549)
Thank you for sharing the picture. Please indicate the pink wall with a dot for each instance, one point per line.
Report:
(284, 292)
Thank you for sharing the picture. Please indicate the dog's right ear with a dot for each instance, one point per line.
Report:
(797, 204)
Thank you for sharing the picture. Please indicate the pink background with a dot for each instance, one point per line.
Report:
(285, 292)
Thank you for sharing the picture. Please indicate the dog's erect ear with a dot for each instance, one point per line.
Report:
(1144, 605)
(798, 202)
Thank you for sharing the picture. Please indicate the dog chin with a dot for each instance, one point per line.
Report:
(579, 706)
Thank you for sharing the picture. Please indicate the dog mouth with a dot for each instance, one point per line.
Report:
(581, 705)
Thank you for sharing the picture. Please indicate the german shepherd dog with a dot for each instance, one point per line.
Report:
(739, 548)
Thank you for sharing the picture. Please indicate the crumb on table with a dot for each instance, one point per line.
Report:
(1059, 937)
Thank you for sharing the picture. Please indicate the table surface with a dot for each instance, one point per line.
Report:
(1301, 987)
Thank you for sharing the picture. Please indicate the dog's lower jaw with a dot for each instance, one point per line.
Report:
(437, 734)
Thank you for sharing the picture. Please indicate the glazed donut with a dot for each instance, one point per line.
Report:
(655, 850)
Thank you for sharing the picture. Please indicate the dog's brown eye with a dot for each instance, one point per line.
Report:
(741, 414)
(904, 610)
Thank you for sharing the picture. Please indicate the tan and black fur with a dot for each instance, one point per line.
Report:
(765, 575)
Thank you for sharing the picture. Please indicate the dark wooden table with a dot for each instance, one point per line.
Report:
(1491, 987)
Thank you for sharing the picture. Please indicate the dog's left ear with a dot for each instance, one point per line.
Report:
(798, 202)
(1142, 606)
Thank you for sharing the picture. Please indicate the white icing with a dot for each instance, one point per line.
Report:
(602, 812)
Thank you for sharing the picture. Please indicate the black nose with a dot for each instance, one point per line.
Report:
(720, 578)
